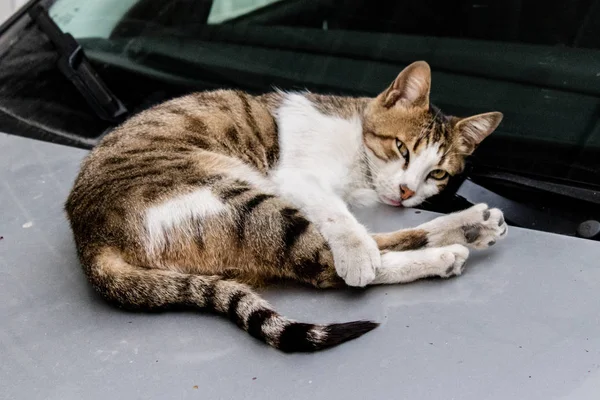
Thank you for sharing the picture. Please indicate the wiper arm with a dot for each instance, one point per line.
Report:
(75, 67)
(578, 193)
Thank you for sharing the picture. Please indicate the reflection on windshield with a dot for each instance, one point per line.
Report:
(98, 18)
(223, 10)
(89, 18)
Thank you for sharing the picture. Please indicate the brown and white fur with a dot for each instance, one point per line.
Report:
(196, 200)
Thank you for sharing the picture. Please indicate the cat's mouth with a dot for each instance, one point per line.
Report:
(390, 202)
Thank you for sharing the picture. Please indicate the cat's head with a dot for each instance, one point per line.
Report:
(412, 148)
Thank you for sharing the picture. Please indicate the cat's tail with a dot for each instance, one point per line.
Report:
(153, 289)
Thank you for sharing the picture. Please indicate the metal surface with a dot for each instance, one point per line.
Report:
(521, 323)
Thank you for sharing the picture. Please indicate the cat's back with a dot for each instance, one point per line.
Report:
(173, 147)
(229, 122)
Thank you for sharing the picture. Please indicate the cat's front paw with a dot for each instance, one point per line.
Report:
(356, 257)
(482, 226)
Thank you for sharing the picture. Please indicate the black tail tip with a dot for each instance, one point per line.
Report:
(340, 333)
(299, 337)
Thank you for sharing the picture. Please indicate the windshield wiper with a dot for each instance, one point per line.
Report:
(572, 191)
(75, 67)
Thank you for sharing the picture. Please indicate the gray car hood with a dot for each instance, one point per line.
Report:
(522, 322)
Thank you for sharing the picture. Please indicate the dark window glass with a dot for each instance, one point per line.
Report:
(537, 61)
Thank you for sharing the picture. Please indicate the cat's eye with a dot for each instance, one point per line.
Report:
(402, 149)
(438, 174)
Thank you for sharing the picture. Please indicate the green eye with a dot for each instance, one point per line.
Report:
(438, 174)
(402, 149)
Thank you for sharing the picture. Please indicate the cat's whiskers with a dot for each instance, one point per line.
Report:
(369, 170)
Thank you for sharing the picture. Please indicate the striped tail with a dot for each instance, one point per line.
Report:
(152, 289)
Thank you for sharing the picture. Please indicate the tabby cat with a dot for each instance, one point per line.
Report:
(193, 202)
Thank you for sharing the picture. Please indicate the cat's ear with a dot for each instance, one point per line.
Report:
(410, 88)
(476, 128)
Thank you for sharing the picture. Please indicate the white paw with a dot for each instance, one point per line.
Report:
(477, 227)
(483, 226)
(356, 256)
(453, 260)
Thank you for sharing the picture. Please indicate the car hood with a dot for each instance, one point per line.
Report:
(522, 322)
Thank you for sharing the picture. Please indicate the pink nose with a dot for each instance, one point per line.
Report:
(405, 192)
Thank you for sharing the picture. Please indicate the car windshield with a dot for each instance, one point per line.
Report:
(537, 61)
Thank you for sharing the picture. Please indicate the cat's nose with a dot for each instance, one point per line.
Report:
(405, 192)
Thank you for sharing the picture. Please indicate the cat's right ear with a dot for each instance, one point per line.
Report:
(410, 88)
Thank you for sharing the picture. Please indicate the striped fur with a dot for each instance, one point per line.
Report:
(191, 204)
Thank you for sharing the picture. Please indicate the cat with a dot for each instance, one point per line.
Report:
(197, 200)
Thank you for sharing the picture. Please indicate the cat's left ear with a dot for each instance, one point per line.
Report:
(410, 88)
(476, 128)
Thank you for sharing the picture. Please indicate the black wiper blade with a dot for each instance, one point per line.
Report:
(563, 189)
(75, 66)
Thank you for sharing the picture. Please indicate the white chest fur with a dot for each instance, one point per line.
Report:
(327, 148)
